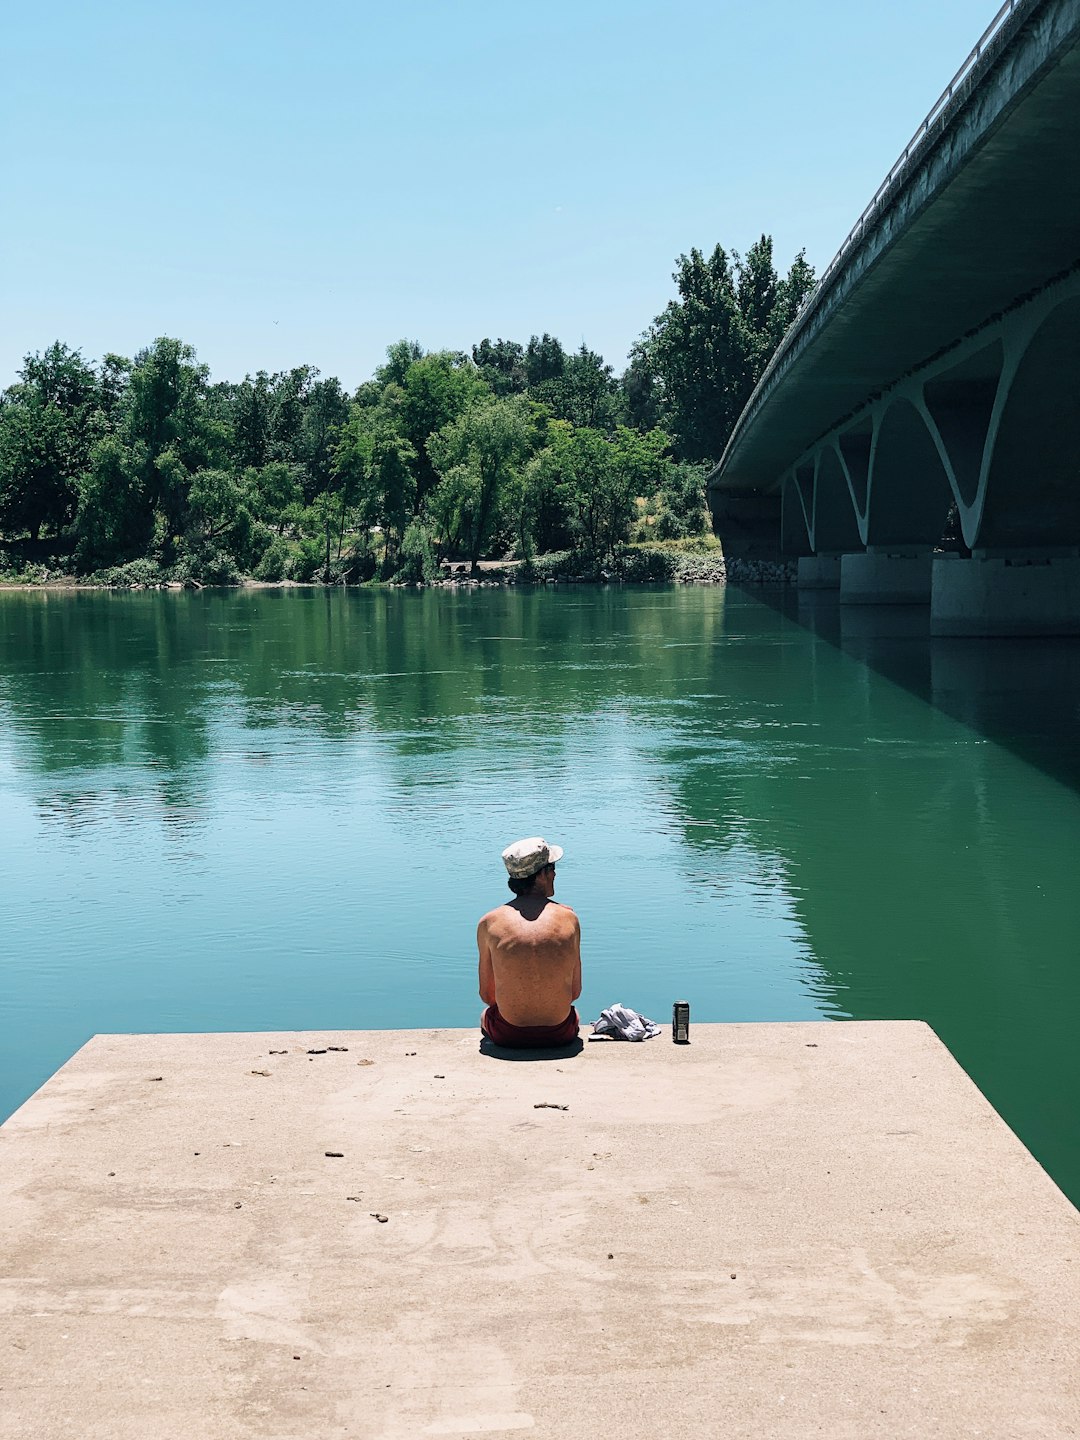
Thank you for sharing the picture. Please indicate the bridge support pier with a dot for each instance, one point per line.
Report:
(819, 572)
(1018, 594)
(885, 578)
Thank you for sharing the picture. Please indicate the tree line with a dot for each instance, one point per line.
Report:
(503, 450)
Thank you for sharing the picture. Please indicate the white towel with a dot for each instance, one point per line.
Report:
(625, 1024)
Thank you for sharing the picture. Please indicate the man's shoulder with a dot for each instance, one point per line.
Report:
(561, 919)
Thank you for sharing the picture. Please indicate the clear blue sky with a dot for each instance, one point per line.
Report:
(279, 183)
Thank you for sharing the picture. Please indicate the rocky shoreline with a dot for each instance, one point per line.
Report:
(686, 569)
(676, 568)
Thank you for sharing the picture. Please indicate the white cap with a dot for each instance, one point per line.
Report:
(526, 857)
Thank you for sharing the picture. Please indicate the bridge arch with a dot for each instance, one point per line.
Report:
(1029, 495)
(958, 405)
(909, 490)
(855, 445)
(836, 525)
(796, 512)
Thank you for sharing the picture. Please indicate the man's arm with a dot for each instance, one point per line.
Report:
(576, 987)
(487, 970)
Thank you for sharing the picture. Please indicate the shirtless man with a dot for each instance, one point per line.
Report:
(530, 955)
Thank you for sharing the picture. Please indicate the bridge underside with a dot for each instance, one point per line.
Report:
(918, 432)
(960, 485)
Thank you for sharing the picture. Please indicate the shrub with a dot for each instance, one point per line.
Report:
(128, 576)
(360, 562)
(639, 564)
(558, 565)
(682, 509)
(274, 562)
(417, 553)
(307, 560)
(207, 565)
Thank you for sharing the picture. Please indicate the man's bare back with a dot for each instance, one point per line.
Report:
(530, 960)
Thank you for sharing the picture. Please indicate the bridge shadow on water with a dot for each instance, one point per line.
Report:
(937, 881)
(1021, 693)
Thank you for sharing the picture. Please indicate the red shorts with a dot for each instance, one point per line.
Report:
(528, 1037)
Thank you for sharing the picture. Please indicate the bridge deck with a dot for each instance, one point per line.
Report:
(977, 220)
(783, 1230)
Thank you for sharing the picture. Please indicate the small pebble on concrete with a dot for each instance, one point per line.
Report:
(334, 1154)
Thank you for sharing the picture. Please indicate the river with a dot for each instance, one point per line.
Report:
(268, 809)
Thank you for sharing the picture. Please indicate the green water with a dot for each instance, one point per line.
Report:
(285, 809)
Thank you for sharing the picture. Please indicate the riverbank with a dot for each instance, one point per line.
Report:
(776, 1231)
(636, 565)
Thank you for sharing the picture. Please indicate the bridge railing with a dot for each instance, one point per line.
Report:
(920, 135)
(876, 203)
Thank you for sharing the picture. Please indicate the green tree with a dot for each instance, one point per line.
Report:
(599, 491)
(450, 506)
(711, 345)
(169, 425)
(792, 294)
(482, 451)
(49, 423)
(682, 503)
(113, 520)
(325, 411)
(252, 414)
(501, 364)
(288, 397)
(537, 504)
(114, 374)
(767, 302)
(545, 359)
(215, 501)
(274, 491)
(374, 465)
(399, 357)
(585, 393)
(435, 391)
(418, 562)
(643, 458)
(699, 349)
(642, 391)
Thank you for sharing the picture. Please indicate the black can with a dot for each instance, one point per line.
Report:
(680, 1022)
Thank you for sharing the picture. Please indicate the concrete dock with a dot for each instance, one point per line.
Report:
(778, 1231)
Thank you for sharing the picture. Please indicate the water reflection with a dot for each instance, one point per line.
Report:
(1022, 693)
(936, 878)
(283, 808)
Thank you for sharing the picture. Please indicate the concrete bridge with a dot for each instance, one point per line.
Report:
(916, 436)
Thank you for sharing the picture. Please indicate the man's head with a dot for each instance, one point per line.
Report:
(530, 865)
